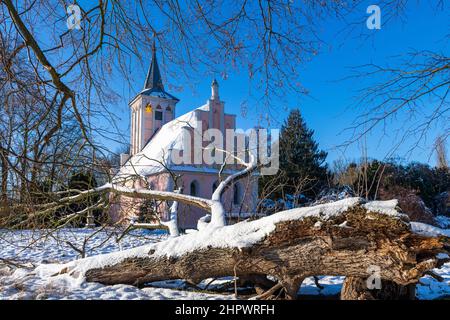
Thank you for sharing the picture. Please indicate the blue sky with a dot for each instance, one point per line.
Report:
(328, 108)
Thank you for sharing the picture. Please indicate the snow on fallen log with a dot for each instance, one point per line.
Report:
(344, 238)
(238, 236)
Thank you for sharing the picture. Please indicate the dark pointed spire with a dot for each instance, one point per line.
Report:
(154, 80)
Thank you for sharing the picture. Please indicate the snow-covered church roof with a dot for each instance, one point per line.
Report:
(155, 157)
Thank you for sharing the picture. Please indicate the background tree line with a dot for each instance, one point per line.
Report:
(305, 177)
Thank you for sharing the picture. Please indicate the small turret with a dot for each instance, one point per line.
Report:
(215, 90)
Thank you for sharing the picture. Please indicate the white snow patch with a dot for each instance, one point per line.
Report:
(429, 288)
(385, 207)
(442, 256)
(28, 247)
(344, 224)
(331, 286)
(429, 231)
(168, 138)
(318, 224)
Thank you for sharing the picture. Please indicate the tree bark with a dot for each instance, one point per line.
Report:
(296, 249)
(4, 183)
(356, 289)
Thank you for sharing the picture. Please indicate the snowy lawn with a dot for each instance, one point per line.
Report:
(31, 248)
(21, 251)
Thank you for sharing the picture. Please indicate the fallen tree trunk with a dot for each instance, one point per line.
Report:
(355, 288)
(345, 238)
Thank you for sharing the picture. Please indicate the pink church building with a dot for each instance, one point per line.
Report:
(157, 136)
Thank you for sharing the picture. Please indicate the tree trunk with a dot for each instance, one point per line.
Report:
(347, 244)
(4, 182)
(356, 289)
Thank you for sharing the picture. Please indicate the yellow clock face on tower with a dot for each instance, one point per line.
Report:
(148, 107)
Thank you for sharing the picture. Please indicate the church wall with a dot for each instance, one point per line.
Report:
(189, 215)
(143, 122)
(168, 113)
(148, 123)
(161, 182)
(135, 124)
(230, 121)
(124, 208)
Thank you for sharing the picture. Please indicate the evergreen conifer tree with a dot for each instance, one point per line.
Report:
(302, 163)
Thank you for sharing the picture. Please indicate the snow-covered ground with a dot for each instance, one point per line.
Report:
(21, 251)
(443, 221)
(30, 248)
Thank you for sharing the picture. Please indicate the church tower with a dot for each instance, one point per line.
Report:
(151, 108)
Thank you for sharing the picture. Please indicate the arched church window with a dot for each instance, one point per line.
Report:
(169, 109)
(236, 194)
(158, 107)
(194, 188)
